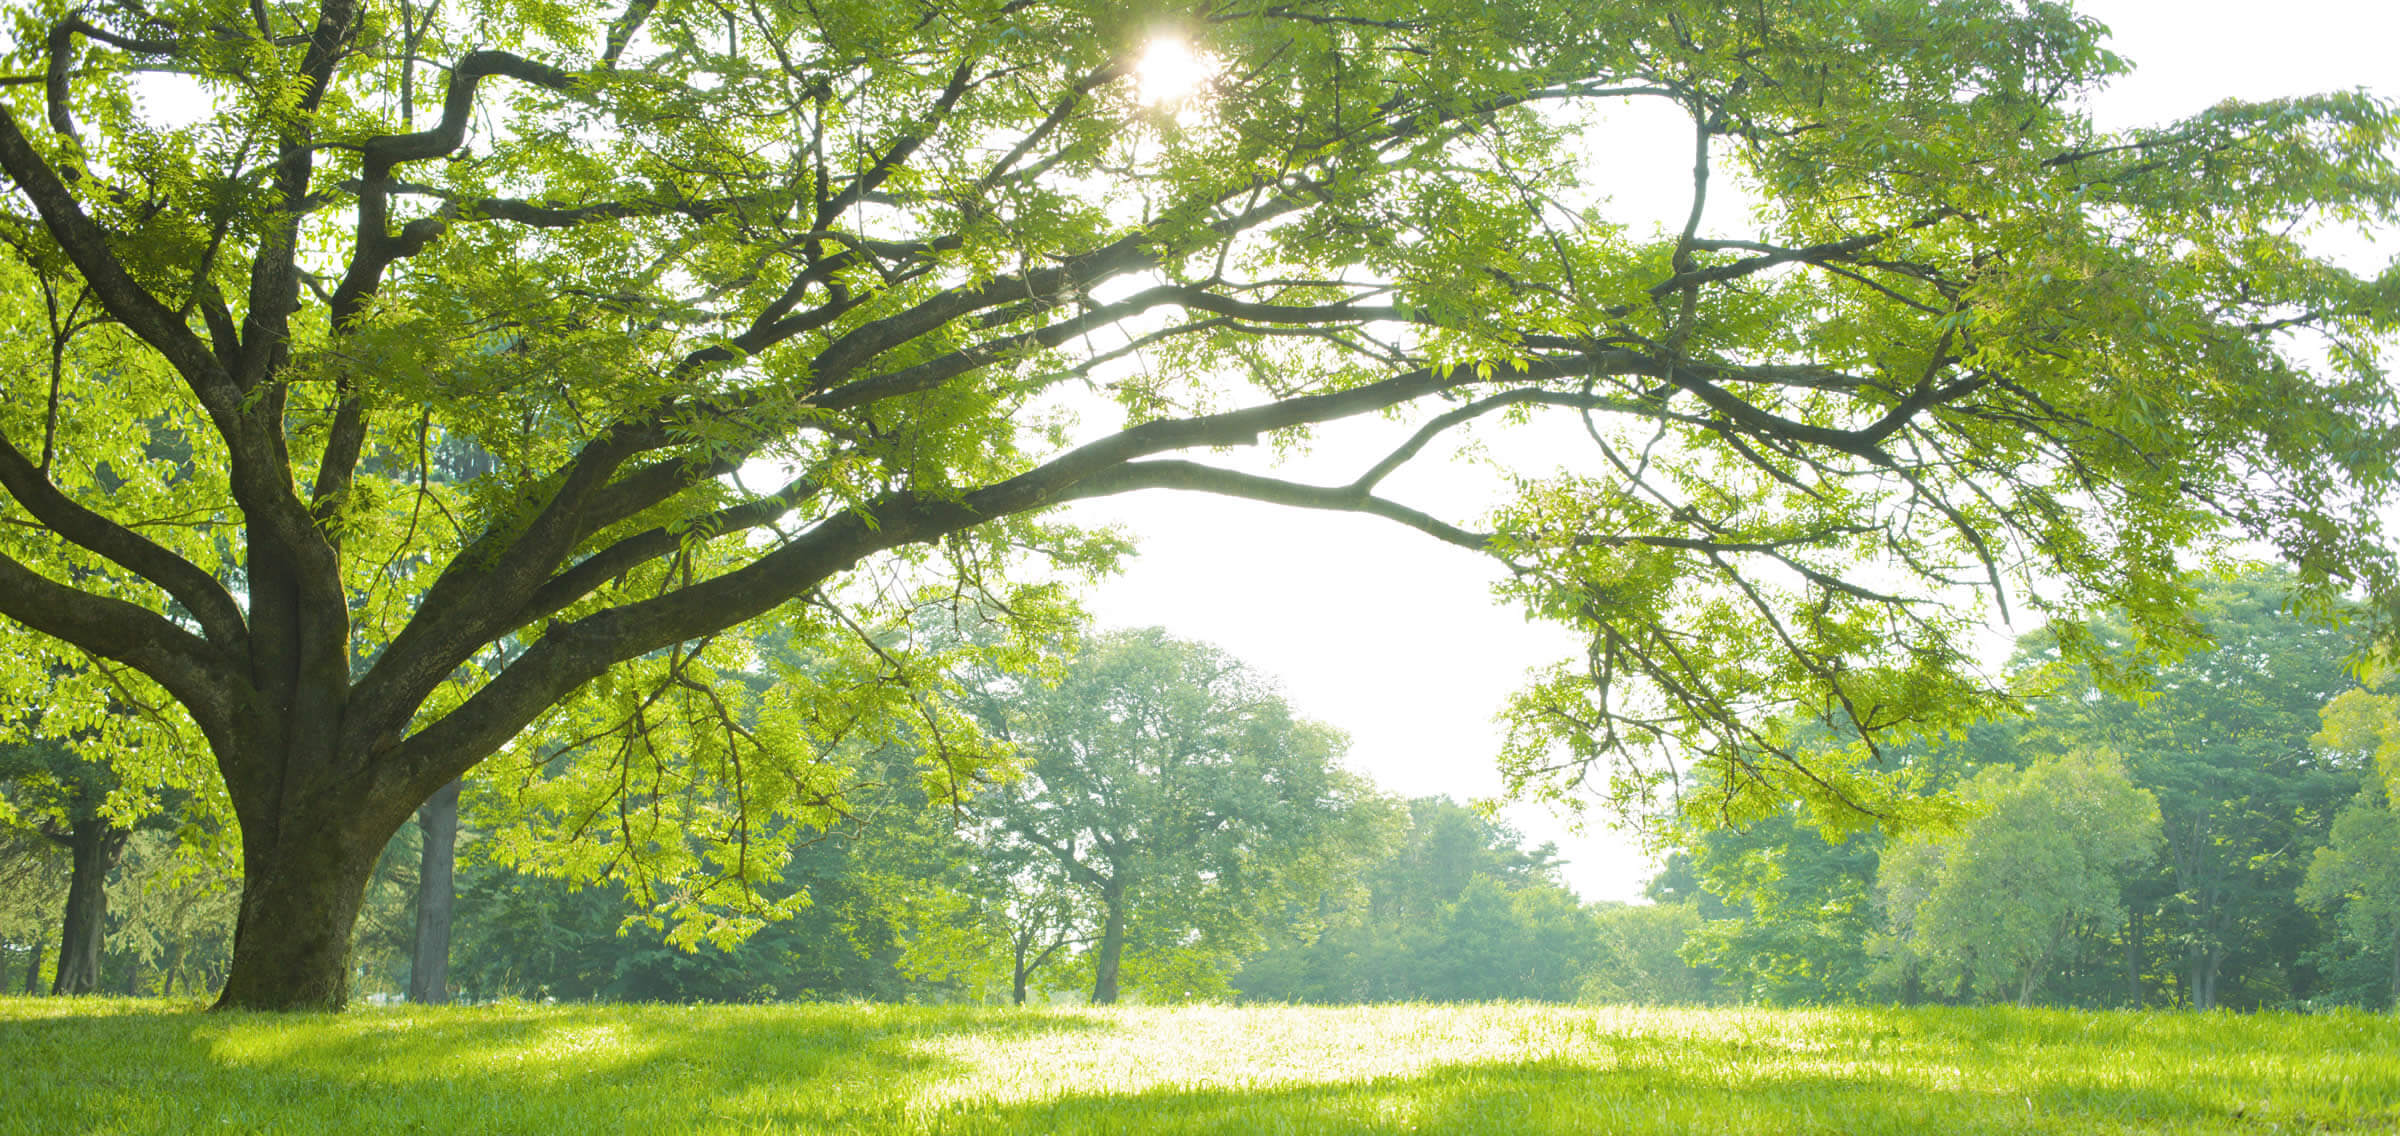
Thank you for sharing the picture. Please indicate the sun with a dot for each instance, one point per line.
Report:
(1170, 71)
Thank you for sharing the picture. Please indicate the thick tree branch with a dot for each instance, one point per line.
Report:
(200, 593)
(375, 248)
(87, 247)
(197, 673)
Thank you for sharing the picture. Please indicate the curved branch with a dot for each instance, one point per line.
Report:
(200, 593)
(1200, 478)
(87, 247)
(376, 248)
(200, 676)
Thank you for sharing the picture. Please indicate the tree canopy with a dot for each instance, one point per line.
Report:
(812, 313)
(1172, 790)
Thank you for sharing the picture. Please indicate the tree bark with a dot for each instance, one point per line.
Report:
(1112, 946)
(94, 846)
(33, 972)
(301, 892)
(429, 964)
(133, 974)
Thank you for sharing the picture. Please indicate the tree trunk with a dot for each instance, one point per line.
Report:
(301, 891)
(2133, 959)
(1020, 947)
(133, 974)
(174, 965)
(2206, 992)
(94, 846)
(1112, 946)
(33, 973)
(429, 965)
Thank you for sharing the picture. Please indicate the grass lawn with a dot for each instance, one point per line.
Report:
(111, 1065)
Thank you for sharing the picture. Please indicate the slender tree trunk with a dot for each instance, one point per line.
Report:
(301, 892)
(33, 972)
(429, 965)
(2212, 963)
(2133, 959)
(1020, 945)
(174, 966)
(94, 846)
(133, 974)
(1112, 946)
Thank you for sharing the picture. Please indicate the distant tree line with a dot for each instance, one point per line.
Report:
(1165, 829)
(2217, 831)
(2222, 836)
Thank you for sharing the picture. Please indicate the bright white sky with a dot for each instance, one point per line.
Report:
(1394, 637)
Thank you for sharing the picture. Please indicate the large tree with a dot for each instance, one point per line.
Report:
(750, 302)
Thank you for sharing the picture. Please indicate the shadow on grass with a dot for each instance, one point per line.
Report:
(104, 1067)
(642, 1069)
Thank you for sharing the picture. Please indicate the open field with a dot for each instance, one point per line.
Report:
(101, 1065)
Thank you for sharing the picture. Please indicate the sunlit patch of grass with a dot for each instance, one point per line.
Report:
(108, 1065)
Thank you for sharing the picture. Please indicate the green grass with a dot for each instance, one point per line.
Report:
(101, 1065)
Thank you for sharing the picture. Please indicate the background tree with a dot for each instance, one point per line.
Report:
(71, 794)
(753, 309)
(1638, 957)
(2223, 741)
(2047, 854)
(81, 802)
(990, 915)
(437, 895)
(1795, 911)
(33, 887)
(1174, 789)
(2358, 869)
(2359, 873)
(1455, 908)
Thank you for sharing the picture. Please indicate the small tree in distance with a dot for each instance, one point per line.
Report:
(761, 310)
(1172, 790)
(2047, 854)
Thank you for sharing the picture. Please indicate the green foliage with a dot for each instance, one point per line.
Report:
(1639, 957)
(2220, 738)
(2365, 722)
(33, 894)
(2046, 855)
(1169, 805)
(1455, 910)
(1507, 1070)
(529, 936)
(2358, 872)
(1793, 914)
(171, 910)
(812, 315)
